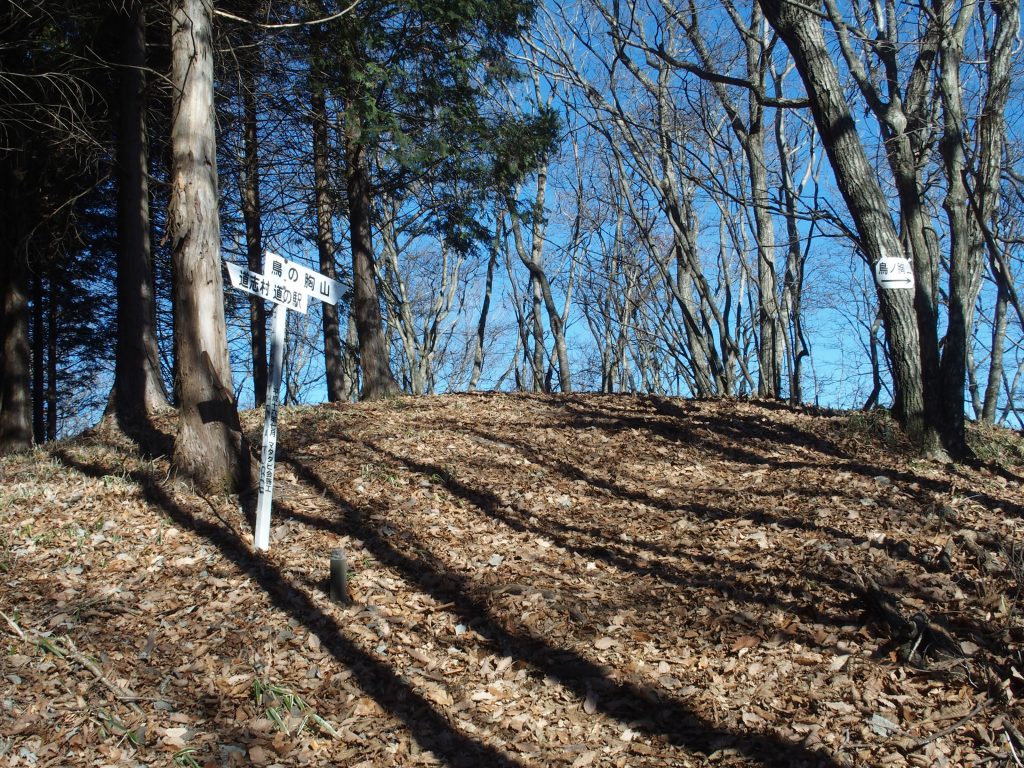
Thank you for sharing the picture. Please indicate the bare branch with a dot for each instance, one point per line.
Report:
(290, 24)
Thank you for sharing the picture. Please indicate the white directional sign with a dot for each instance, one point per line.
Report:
(894, 272)
(300, 278)
(268, 454)
(272, 290)
(289, 286)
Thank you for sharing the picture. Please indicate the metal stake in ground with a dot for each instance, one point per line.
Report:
(267, 456)
(339, 577)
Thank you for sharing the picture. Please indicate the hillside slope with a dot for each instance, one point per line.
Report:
(537, 581)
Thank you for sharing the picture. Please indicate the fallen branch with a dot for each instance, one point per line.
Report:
(13, 625)
(950, 729)
(1013, 736)
(67, 650)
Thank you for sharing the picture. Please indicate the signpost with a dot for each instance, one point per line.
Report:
(289, 286)
(894, 272)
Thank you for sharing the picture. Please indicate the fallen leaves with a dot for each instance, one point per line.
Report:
(576, 581)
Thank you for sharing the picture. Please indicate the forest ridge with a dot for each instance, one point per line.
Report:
(661, 198)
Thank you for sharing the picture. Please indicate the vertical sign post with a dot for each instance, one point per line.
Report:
(289, 286)
(279, 324)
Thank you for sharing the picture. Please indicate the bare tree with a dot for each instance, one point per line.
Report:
(421, 278)
(801, 30)
(480, 337)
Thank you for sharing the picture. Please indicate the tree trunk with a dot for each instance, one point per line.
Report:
(751, 135)
(378, 381)
(991, 137)
(209, 446)
(252, 213)
(350, 362)
(51, 374)
(960, 305)
(138, 389)
(39, 332)
(336, 387)
(995, 365)
(15, 358)
(801, 31)
(481, 326)
(794, 277)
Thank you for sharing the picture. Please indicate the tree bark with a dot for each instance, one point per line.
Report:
(138, 389)
(209, 446)
(378, 381)
(15, 359)
(51, 374)
(801, 31)
(334, 358)
(953, 368)
(39, 345)
(252, 214)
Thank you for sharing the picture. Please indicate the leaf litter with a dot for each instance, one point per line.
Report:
(579, 580)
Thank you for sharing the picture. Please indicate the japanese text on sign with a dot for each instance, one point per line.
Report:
(300, 278)
(267, 288)
(894, 272)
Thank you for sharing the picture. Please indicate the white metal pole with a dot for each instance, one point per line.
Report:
(280, 323)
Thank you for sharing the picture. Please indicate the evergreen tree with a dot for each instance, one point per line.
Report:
(50, 109)
(414, 83)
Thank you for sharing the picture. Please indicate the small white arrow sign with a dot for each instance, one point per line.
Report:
(894, 272)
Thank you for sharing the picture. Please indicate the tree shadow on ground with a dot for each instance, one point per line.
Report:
(641, 707)
(429, 727)
(726, 577)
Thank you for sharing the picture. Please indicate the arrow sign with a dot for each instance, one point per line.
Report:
(268, 288)
(894, 272)
(300, 278)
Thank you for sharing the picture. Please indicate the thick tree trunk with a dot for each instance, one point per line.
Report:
(336, 387)
(378, 381)
(138, 386)
(991, 138)
(252, 213)
(801, 31)
(15, 358)
(209, 446)
(960, 304)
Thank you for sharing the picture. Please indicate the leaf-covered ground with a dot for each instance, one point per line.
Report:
(536, 581)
